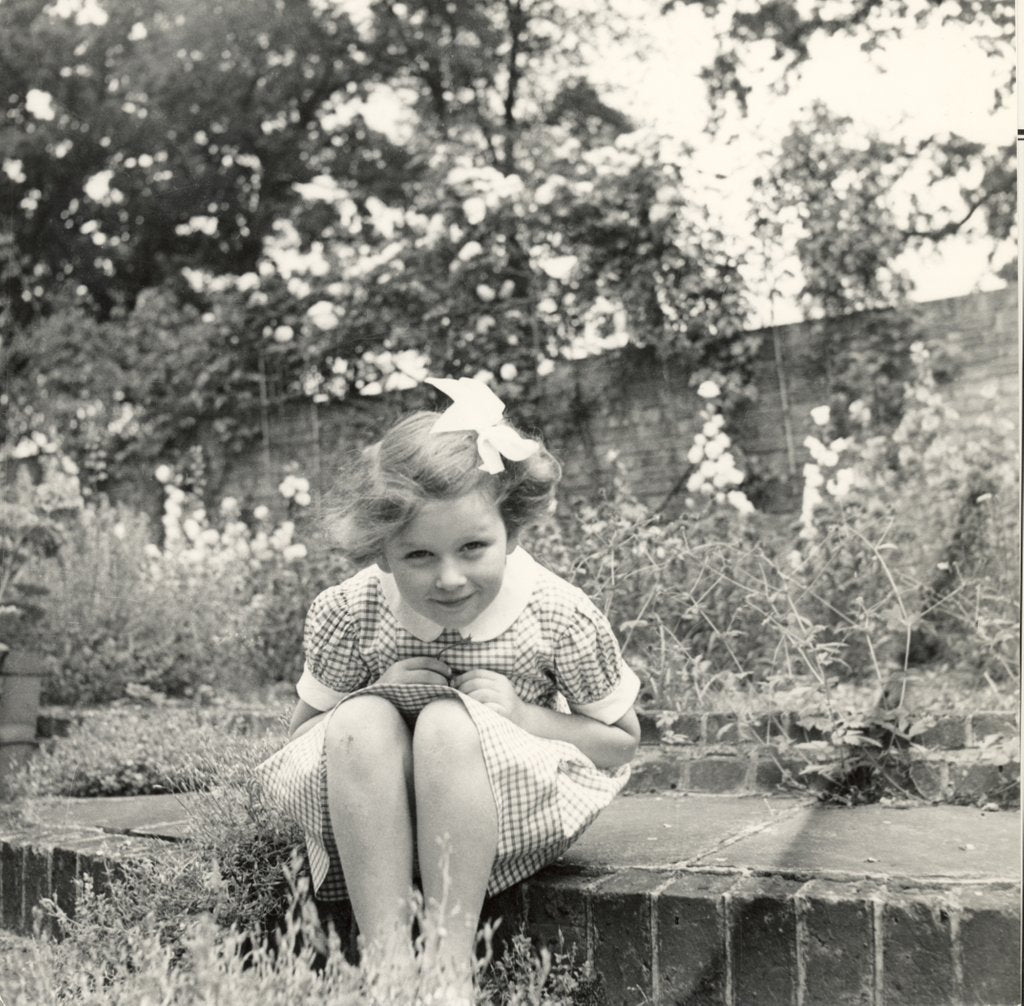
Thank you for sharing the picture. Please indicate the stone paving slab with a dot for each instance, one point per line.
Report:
(925, 842)
(659, 830)
(162, 816)
(711, 831)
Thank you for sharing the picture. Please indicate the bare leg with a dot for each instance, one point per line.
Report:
(369, 780)
(455, 812)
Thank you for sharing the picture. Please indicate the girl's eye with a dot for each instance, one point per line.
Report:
(473, 546)
(420, 553)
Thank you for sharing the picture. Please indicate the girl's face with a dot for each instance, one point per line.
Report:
(449, 560)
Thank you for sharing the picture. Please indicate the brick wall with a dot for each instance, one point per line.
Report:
(631, 402)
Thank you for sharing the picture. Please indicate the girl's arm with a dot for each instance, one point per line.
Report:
(606, 745)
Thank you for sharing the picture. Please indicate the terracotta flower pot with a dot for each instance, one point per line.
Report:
(21, 680)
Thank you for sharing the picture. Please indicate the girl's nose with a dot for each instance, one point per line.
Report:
(450, 576)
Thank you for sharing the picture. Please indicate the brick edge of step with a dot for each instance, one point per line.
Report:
(682, 935)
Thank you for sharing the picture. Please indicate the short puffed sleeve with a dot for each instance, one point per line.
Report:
(333, 664)
(589, 669)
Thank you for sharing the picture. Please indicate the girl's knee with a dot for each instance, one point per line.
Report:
(445, 730)
(366, 724)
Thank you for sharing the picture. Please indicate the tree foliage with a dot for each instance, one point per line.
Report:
(985, 178)
(203, 199)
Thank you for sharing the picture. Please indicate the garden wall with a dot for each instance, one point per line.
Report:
(643, 408)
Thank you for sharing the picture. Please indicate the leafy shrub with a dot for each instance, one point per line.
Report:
(123, 612)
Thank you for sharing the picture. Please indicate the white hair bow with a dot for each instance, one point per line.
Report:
(475, 407)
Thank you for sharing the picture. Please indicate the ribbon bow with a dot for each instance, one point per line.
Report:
(475, 407)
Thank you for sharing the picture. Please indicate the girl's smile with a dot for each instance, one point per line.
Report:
(449, 560)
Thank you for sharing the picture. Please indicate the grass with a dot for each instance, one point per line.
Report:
(105, 958)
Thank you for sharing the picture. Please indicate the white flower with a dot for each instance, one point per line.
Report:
(209, 537)
(191, 528)
(659, 212)
(261, 512)
(246, 282)
(508, 372)
(302, 498)
(163, 474)
(694, 482)
(708, 389)
(507, 288)
(547, 191)
(323, 314)
(821, 415)
(229, 506)
(470, 250)
(152, 551)
(739, 500)
(292, 552)
(485, 293)
(559, 267)
(26, 447)
(293, 487)
(484, 324)
(475, 209)
(39, 104)
(14, 170)
(545, 367)
(813, 477)
(695, 454)
(715, 447)
(822, 455)
(284, 333)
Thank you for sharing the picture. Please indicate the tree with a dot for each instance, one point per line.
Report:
(256, 229)
(985, 178)
(149, 135)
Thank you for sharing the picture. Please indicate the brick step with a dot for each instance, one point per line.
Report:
(948, 776)
(950, 731)
(952, 760)
(686, 900)
(946, 731)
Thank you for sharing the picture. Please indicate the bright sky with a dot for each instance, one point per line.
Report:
(935, 80)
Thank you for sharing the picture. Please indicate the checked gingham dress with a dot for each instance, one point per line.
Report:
(544, 634)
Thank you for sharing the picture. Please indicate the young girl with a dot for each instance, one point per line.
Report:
(462, 708)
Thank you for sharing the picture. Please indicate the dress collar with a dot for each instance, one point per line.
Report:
(516, 589)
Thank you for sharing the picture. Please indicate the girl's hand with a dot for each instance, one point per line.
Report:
(417, 671)
(493, 690)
